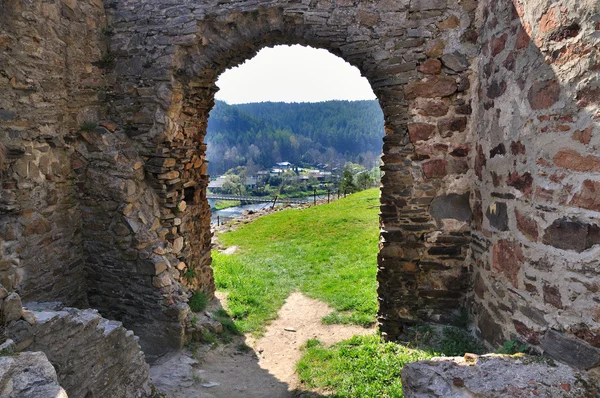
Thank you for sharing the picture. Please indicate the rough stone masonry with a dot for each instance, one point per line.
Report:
(490, 158)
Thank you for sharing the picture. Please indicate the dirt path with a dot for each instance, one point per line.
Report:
(267, 372)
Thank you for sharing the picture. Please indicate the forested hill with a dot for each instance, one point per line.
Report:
(269, 132)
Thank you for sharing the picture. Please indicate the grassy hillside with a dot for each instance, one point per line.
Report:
(328, 252)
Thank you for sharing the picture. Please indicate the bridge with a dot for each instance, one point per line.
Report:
(258, 199)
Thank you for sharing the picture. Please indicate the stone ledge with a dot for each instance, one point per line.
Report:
(495, 376)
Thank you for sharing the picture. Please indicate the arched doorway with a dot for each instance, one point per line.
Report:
(162, 97)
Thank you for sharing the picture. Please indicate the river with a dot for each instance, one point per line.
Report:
(236, 211)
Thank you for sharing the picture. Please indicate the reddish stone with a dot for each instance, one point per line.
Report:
(507, 259)
(432, 108)
(367, 18)
(523, 39)
(435, 168)
(477, 215)
(438, 86)
(420, 131)
(589, 96)
(521, 182)
(430, 67)
(498, 44)
(479, 286)
(110, 126)
(510, 62)
(452, 124)
(548, 21)
(530, 336)
(589, 196)
(556, 178)
(552, 296)
(543, 94)
(527, 226)
(460, 151)
(516, 148)
(573, 160)
(480, 162)
(449, 23)
(38, 227)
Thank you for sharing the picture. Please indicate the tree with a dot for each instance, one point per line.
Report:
(364, 180)
(347, 184)
(234, 185)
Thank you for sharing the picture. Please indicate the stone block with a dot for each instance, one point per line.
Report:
(494, 376)
(571, 351)
(453, 206)
(569, 234)
(497, 215)
(455, 61)
(29, 374)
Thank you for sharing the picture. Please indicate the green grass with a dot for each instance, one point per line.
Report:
(361, 367)
(224, 204)
(328, 252)
(198, 302)
(367, 366)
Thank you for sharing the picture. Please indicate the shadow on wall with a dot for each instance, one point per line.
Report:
(536, 251)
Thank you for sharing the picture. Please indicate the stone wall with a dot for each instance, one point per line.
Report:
(416, 57)
(49, 86)
(93, 357)
(535, 248)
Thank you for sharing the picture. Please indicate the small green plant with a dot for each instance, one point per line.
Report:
(88, 126)
(195, 320)
(198, 302)
(457, 342)
(190, 274)
(512, 347)
(462, 319)
(229, 326)
(311, 343)
(108, 31)
(210, 338)
(338, 318)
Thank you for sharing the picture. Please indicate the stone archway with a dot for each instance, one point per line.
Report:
(166, 61)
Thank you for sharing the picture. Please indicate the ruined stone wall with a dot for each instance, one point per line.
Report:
(536, 246)
(415, 55)
(49, 86)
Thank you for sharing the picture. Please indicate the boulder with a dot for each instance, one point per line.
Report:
(29, 374)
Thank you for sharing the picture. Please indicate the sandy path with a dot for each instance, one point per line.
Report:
(267, 372)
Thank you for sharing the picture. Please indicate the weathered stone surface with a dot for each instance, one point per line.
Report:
(508, 258)
(543, 94)
(493, 376)
(433, 87)
(588, 197)
(431, 67)
(101, 359)
(573, 160)
(12, 308)
(432, 108)
(570, 350)
(420, 131)
(527, 226)
(568, 234)
(453, 206)
(435, 168)
(455, 61)
(29, 374)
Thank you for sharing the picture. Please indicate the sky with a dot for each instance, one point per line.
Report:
(293, 74)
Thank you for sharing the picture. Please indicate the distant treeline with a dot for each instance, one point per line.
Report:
(261, 134)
